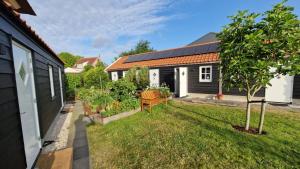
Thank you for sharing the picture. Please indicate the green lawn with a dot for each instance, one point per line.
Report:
(195, 136)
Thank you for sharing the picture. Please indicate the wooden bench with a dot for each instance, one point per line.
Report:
(151, 98)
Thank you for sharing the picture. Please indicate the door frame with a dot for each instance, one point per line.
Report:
(35, 107)
(151, 84)
(178, 81)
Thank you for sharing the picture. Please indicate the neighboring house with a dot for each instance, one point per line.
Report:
(31, 87)
(193, 71)
(81, 63)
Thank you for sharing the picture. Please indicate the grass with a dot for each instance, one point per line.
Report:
(183, 135)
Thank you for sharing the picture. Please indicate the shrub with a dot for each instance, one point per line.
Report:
(95, 77)
(72, 81)
(164, 90)
(122, 89)
(139, 76)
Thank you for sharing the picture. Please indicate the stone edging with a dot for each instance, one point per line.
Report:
(106, 120)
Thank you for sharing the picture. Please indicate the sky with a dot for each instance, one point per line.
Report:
(105, 28)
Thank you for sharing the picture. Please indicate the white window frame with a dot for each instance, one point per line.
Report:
(51, 80)
(124, 73)
(200, 73)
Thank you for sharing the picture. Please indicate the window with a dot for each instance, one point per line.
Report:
(205, 73)
(51, 81)
(124, 73)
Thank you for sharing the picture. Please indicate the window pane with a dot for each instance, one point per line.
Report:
(203, 76)
(203, 70)
(208, 70)
(208, 76)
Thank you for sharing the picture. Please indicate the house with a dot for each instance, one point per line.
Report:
(81, 63)
(31, 87)
(193, 71)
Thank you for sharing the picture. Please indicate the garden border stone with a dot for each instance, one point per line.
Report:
(106, 120)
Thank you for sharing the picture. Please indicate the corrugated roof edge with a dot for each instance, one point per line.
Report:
(29, 30)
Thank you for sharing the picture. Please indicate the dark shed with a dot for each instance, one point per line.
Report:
(41, 71)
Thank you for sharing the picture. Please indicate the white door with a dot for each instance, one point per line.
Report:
(114, 76)
(61, 88)
(281, 89)
(154, 77)
(27, 102)
(183, 81)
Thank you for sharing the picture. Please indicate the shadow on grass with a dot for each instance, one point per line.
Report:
(243, 141)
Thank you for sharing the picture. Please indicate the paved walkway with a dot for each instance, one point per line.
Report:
(239, 104)
(78, 139)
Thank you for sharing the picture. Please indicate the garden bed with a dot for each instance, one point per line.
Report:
(105, 120)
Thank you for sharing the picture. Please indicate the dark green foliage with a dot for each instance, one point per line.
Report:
(122, 89)
(142, 46)
(95, 97)
(139, 76)
(88, 67)
(196, 136)
(123, 106)
(72, 82)
(95, 77)
(68, 58)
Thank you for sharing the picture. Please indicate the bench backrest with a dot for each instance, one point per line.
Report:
(150, 94)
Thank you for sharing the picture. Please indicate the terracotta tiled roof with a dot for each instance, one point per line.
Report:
(27, 28)
(90, 60)
(182, 60)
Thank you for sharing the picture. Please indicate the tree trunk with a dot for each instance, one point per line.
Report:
(248, 112)
(248, 115)
(262, 116)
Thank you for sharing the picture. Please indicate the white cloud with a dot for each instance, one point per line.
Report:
(87, 26)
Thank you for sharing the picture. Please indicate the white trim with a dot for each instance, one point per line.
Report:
(200, 73)
(51, 79)
(114, 76)
(124, 73)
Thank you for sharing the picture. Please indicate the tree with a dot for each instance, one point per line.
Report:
(142, 46)
(68, 58)
(95, 77)
(253, 44)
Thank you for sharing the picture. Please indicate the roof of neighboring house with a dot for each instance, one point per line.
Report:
(200, 53)
(121, 64)
(183, 51)
(90, 60)
(210, 37)
(27, 29)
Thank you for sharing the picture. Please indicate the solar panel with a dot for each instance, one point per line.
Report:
(190, 50)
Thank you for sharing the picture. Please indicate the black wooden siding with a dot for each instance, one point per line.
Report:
(195, 86)
(120, 74)
(166, 75)
(296, 90)
(48, 107)
(11, 139)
